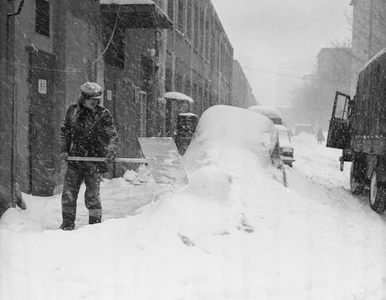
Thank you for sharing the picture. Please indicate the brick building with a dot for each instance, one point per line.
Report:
(57, 46)
(7, 12)
(132, 50)
(242, 95)
(199, 57)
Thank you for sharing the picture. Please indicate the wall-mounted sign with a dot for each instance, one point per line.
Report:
(109, 95)
(42, 86)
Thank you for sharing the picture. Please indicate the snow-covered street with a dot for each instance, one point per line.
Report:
(233, 233)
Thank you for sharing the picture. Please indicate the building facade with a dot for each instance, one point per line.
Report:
(199, 57)
(368, 34)
(7, 112)
(57, 46)
(242, 95)
(132, 50)
(333, 74)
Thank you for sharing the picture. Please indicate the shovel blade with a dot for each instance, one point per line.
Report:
(164, 160)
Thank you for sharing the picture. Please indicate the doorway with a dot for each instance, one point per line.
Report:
(41, 124)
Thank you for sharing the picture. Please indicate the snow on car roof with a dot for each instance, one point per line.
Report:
(222, 121)
(268, 111)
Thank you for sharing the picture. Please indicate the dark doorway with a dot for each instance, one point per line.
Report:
(41, 123)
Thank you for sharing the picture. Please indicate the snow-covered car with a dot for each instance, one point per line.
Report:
(229, 137)
(286, 147)
(272, 113)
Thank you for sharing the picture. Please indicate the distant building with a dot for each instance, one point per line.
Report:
(290, 73)
(368, 34)
(334, 68)
(242, 95)
(333, 74)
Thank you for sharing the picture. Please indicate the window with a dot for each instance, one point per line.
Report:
(195, 92)
(189, 19)
(178, 83)
(207, 37)
(42, 17)
(202, 24)
(168, 79)
(196, 26)
(181, 15)
(187, 87)
(171, 9)
(143, 104)
(213, 48)
(200, 98)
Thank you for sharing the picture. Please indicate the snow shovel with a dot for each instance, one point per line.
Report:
(161, 155)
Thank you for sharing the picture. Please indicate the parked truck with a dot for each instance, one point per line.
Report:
(358, 127)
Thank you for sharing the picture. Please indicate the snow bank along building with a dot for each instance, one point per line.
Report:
(136, 51)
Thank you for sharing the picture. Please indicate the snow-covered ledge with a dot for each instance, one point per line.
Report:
(178, 96)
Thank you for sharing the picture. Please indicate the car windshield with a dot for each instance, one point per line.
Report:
(277, 121)
(284, 136)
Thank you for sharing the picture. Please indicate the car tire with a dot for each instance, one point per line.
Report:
(357, 177)
(377, 197)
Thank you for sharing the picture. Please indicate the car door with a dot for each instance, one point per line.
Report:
(339, 132)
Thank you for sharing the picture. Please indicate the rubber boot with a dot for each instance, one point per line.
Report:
(68, 221)
(94, 220)
(67, 225)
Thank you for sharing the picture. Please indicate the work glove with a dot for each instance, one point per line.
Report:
(110, 156)
(63, 156)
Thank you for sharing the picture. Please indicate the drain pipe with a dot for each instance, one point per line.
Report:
(10, 62)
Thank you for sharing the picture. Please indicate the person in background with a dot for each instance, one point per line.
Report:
(319, 136)
(87, 130)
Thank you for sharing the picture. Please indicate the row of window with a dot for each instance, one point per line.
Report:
(202, 94)
(202, 28)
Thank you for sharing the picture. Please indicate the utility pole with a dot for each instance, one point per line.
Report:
(7, 173)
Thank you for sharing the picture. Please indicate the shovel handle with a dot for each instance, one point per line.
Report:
(117, 159)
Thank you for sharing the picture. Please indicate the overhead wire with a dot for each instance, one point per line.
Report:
(273, 73)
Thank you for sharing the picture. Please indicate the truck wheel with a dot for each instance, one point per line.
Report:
(377, 196)
(356, 178)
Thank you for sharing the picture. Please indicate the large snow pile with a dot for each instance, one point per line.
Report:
(232, 233)
(241, 137)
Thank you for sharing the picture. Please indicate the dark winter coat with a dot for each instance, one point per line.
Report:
(319, 136)
(86, 132)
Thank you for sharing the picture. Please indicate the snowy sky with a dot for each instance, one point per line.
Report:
(281, 37)
(234, 232)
